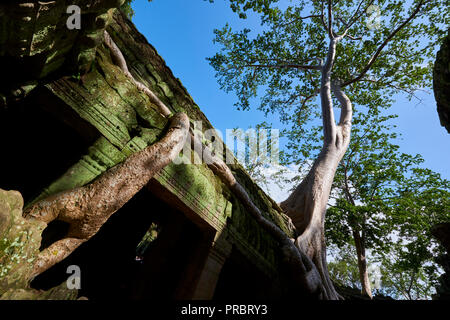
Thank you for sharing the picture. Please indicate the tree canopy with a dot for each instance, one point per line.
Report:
(279, 63)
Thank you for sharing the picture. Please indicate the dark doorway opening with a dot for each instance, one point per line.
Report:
(241, 280)
(108, 263)
(39, 142)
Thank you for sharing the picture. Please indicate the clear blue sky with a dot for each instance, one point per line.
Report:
(182, 32)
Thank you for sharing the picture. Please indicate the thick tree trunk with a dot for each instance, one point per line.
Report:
(307, 205)
(362, 265)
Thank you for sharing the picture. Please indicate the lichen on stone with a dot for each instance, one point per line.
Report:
(20, 240)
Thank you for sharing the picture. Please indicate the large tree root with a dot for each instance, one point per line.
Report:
(87, 208)
(119, 60)
(303, 270)
(307, 205)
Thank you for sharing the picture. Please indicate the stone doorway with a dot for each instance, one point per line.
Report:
(40, 139)
(108, 261)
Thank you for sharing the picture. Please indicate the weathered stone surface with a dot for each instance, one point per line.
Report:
(441, 83)
(19, 245)
(35, 39)
(127, 122)
(442, 233)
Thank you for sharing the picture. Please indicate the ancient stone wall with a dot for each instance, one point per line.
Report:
(99, 95)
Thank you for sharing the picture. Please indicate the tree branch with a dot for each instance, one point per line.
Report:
(346, 105)
(300, 18)
(329, 124)
(322, 15)
(330, 20)
(381, 47)
(292, 66)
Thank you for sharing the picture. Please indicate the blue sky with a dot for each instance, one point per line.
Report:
(182, 33)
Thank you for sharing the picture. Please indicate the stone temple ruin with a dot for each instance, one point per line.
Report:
(68, 114)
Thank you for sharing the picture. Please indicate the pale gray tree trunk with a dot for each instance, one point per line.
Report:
(307, 205)
(362, 264)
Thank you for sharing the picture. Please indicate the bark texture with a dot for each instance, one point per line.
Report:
(308, 203)
(362, 265)
(87, 208)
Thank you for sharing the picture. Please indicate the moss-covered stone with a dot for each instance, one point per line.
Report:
(127, 122)
(20, 240)
(34, 36)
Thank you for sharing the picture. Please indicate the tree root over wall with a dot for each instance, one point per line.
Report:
(87, 208)
(303, 271)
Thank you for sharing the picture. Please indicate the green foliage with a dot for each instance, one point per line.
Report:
(344, 269)
(265, 63)
(392, 202)
(406, 284)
